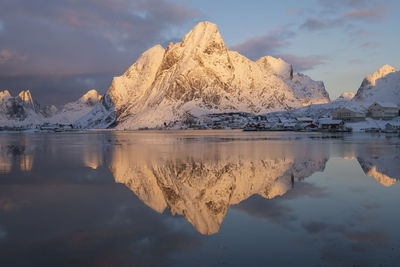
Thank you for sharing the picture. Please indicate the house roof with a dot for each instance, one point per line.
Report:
(347, 109)
(386, 104)
(306, 124)
(329, 121)
(289, 124)
(284, 120)
(304, 119)
(393, 123)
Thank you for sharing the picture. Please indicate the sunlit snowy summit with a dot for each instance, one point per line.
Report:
(199, 76)
(196, 82)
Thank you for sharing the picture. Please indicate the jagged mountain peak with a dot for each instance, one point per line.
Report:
(346, 96)
(19, 110)
(4, 94)
(26, 97)
(145, 60)
(380, 73)
(171, 44)
(199, 76)
(133, 83)
(203, 33)
(383, 85)
(202, 44)
(72, 111)
(92, 97)
(277, 66)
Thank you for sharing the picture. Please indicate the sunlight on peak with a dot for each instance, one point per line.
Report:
(381, 178)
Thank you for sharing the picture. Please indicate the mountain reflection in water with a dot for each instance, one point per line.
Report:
(71, 195)
(200, 177)
(201, 182)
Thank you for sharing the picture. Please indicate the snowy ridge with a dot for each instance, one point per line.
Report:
(23, 111)
(71, 112)
(307, 90)
(19, 110)
(382, 86)
(346, 96)
(195, 78)
(199, 76)
(277, 66)
(4, 95)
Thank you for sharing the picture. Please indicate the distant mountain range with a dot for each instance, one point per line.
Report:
(193, 78)
(22, 110)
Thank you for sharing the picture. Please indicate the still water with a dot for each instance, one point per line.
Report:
(200, 198)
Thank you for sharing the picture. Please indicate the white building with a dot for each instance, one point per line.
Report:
(385, 111)
(348, 115)
(329, 124)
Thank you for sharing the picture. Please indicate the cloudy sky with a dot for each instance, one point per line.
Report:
(59, 49)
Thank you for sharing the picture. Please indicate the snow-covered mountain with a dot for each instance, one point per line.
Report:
(19, 110)
(346, 96)
(381, 86)
(199, 76)
(305, 89)
(22, 110)
(196, 77)
(308, 91)
(71, 112)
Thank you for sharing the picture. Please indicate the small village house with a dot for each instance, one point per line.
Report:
(393, 126)
(305, 120)
(384, 111)
(307, 126)
(348, 115)
(329, 124)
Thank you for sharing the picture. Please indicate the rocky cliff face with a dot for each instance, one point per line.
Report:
(198, 76)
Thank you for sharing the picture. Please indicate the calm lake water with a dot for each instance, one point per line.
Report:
(199, 198)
